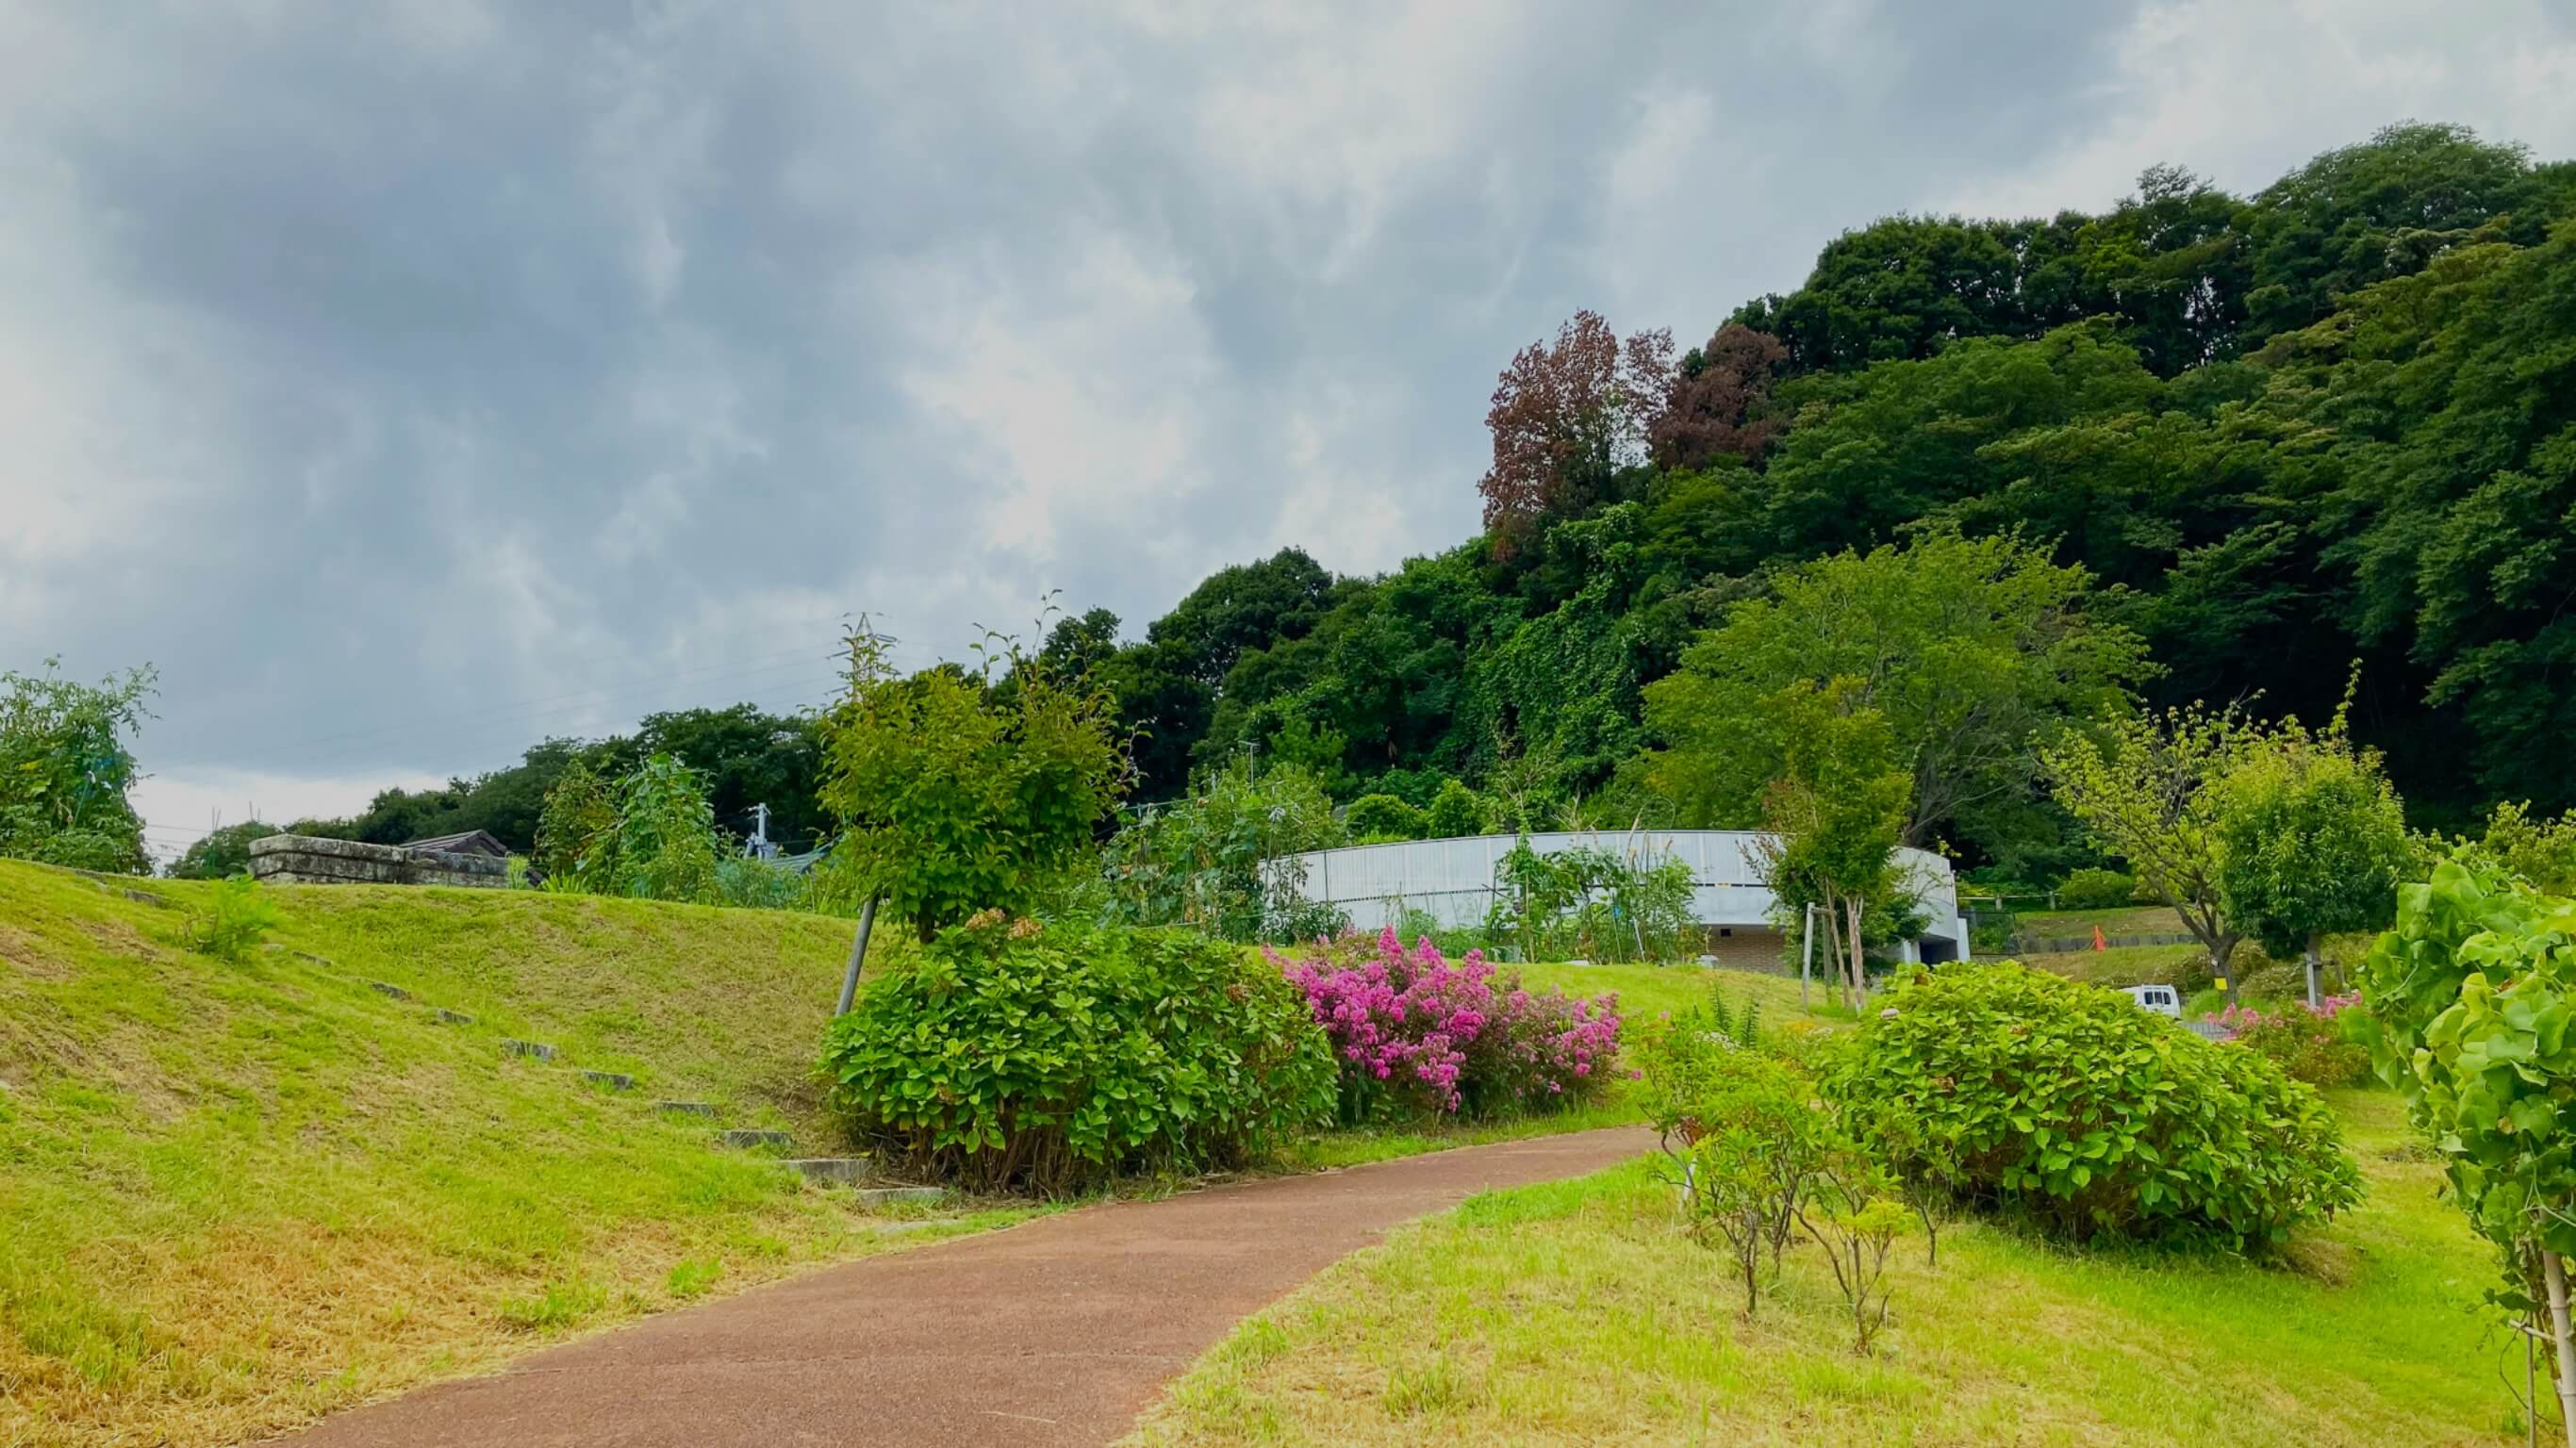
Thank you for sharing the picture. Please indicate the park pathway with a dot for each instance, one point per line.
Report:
(1058, 1331)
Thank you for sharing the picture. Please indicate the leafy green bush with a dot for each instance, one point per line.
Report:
(961, 791)
(2096, 890)
(2469, 1004)
(1456, 813)
(2312, 1046)
(1006, 1054)
(221, 852)
(1373, 818)
(2069, 1104)
(1592, 904)
(1222, 859)
(758, 884)
(65, 771)
(238, 917)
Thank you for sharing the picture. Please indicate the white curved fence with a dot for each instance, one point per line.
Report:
(1453, 880)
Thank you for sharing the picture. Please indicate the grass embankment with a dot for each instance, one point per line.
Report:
(1578, 1313)
(236, 1196)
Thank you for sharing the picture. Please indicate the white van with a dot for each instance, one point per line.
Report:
(2164, 1000)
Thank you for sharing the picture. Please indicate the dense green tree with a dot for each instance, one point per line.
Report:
(2147, 788)
(1971, 649)
(1903, 289)
(747, 756)
(66, 769)
(950, 801)
(1833, 817)
(2453, 396)
(220, 853)
(2367, 213)
(2311, 842)
(1906, 440)
(577, 826)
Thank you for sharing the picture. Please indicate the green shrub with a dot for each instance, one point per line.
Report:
(2096, 890)
(1372, 818)
(238, 916)
(1224, 860)
(756, 884)
(1006, 1054)
(2265, 979)
(1456, 812)
(2069, 1104)
(2312, 1046)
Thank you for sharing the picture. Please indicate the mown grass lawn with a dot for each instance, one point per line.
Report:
(1576, 1313)
(233, 1196)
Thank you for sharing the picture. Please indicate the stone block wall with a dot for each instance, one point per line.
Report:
(308, 860)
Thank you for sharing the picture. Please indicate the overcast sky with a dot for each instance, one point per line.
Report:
(407, 388)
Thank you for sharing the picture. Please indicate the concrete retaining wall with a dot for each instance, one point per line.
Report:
(308, 860)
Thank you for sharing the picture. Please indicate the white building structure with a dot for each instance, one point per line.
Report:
(1453, 881)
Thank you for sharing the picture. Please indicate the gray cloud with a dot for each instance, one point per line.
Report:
(471, 371)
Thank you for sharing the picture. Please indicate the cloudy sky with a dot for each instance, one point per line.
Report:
(407, 381)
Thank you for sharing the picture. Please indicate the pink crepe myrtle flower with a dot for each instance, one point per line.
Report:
(1437, 1034)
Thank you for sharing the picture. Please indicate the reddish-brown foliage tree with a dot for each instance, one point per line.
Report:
(1567, 416)
(1715, 403)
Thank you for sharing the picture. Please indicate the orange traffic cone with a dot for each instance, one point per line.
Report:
(2098, 942)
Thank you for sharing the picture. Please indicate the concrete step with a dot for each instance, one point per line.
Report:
(537, 1050)
(743, 1136)
(447, 1017)
(706, 1109)
(834, 1168)
(613, 1080)
(397, 992)
(901, 1196)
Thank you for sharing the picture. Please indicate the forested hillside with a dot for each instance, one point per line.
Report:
(2199, 446)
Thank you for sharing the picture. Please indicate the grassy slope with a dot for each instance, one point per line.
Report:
(238, 1195)
(1577, 1313)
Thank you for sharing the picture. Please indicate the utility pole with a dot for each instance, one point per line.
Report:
(758, 846)
(858, 956)
(1806, 954)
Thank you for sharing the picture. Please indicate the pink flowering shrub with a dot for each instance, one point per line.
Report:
(2308, 1044)
(1414, 1032)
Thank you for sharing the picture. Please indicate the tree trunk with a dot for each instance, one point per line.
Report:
(2560, 1334)
(2221, 952)
(2316, 973)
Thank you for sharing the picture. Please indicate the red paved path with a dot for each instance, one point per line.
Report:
(1059, 1331)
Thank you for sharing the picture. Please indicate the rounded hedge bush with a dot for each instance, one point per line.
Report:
(2097, 890)
(1008, 1055)
(2067, 1103)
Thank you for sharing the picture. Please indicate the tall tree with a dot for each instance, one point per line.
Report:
(2453, 392)
(1568, 419)
(2311, 842)
(1833, 818)
(2147, 789)
(1718, 401)
(2384, 208)
(951, 801)
(1970, 648)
